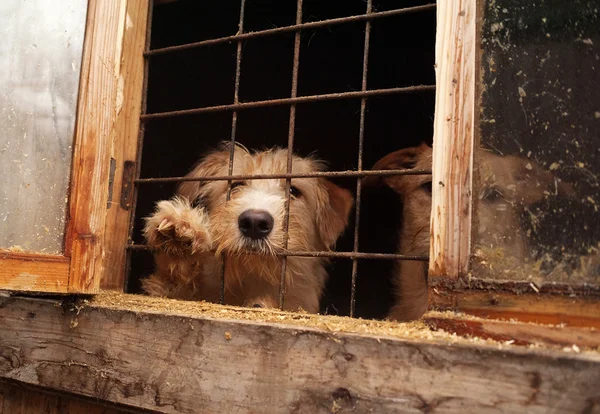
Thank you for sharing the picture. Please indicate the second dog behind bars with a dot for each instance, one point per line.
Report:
(190, 232)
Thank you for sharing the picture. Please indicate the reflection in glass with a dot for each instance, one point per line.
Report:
(537, 171)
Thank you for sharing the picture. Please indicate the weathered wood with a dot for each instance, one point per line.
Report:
(33, 272)
(18, 399)
(453, 138)
(184, 364)
(96, 115)
(124, 141)
(583, 311)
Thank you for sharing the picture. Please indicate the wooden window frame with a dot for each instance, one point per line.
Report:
(106, 128)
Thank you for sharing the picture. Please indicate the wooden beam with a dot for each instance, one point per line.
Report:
(96, 116)
(33, 272)
(184, 363)
(454, 127)
(125, 142)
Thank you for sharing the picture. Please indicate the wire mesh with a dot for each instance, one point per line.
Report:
(292, 101)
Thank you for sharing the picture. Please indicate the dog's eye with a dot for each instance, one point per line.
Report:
(295, 192)
(426, 186)
(238, 184)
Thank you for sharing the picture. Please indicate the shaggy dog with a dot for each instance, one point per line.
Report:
(193, 231)
(507, 184)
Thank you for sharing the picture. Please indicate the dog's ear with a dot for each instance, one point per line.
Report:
(405, 159)
(332, 218)
(209, 166)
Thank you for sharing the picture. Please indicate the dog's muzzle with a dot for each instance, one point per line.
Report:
(255, 224)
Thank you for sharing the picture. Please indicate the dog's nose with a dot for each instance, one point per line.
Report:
(256, 224)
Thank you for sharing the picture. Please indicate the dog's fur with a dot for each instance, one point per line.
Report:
(190, 232)
(508, 184)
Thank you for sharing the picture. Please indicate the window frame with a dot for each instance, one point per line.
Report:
(105, 136)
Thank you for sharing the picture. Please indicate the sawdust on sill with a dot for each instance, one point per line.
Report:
(330, 323)
(417, 330)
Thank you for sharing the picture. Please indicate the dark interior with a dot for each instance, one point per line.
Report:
(401, 54)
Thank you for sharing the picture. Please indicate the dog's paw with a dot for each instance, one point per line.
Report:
(178, 229)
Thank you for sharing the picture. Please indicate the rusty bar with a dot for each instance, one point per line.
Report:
(290, 152)
(293, 100)
(236, 100)
(361, 141)
(293, 28)
(330, 254)
(316, 174)
(140, 143)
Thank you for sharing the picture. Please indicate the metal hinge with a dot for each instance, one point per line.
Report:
(129, 170)
(111, 181)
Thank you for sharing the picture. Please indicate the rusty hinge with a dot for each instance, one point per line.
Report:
(129, 170)
(111, 181)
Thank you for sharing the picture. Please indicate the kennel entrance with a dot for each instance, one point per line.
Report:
(342, 79)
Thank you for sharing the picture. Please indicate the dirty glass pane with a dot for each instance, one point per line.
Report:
(537, 168)
(40, 59)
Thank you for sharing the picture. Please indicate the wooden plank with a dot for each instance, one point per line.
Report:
(186, 363)
(34, 272)
(96, 115)
(453, 138)
(579, 310)
(16, 398)
(125, 141)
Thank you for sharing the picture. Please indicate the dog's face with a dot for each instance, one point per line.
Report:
(418, 187)
(253, 219)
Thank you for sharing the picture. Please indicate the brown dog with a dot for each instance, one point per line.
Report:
(188, 239)
(507, 185)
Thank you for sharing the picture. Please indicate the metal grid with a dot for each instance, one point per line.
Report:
(294, 100)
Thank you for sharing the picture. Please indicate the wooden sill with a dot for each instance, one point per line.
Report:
(177, 357)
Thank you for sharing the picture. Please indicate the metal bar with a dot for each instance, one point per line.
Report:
(361, 141)
(141, 134)
(293, 28)
(293, 100)
(322, 254)
(290, 151)
(316, 174)
(234, 118)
